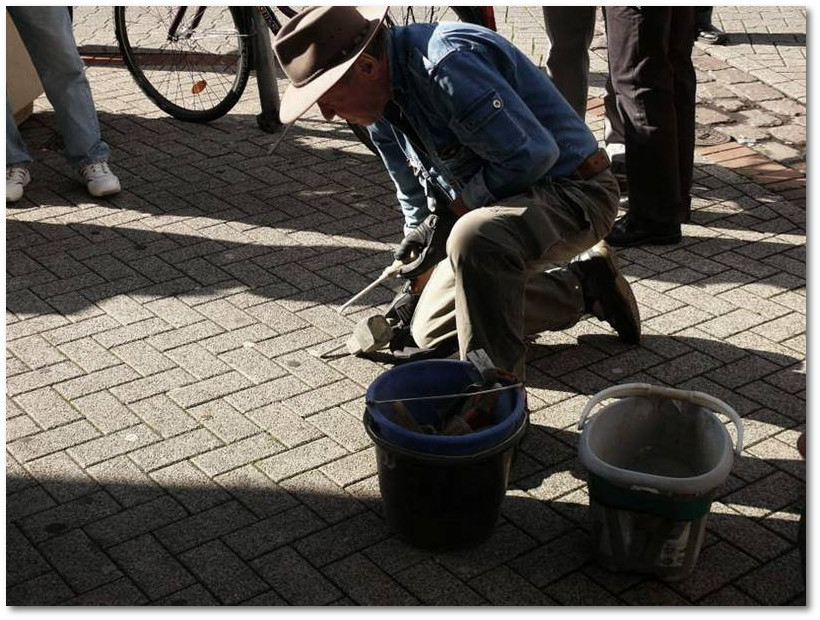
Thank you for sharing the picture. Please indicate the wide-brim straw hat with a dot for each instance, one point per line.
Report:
(317, 46)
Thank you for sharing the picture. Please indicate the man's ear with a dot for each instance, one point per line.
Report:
(368, 66)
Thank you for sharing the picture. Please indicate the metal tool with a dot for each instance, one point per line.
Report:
(390, 271)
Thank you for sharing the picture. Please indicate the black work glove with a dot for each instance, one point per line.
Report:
(424, 246)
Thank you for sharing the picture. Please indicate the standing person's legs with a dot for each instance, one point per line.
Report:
(570, 30)
(703, 17)
(47, 34)
(16, 152)
(491, 289)
(681, 42)
(642, 76)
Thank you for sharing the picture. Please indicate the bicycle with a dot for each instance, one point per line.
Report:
(194, 62)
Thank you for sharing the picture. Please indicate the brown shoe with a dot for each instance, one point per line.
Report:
(607, 294)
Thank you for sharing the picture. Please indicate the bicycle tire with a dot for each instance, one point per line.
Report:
(183, 59)
(467, 14)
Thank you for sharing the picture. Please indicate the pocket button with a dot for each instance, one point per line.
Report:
(497, 104)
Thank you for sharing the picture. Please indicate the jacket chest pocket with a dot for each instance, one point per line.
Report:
(489, 124)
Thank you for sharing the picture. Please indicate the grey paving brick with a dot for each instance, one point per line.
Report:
(204, 526)
(53, 440)
(61, 477)
(183, 335)
(652, 593)
(433, 585)
(341, 539)
(219, 417)
(106, 412)
(537, 566)
(292, 342)
(15, 367)
(42, 377)
(718, 565)
(173, 311)
(19, 427)
(237, 338)
(209, 389)
(324, 397)
(501, 586)
(31, 326)
(237, 453)
(137, 520)
(766, 495)
(79, 561)
(151, 386)
(345, 429)
(253, 364)
(198, 361)
(35, 352)
(313, 371)
(143, 358)
(75, 331)
(323, 496)
(295, 579)
(95, 381)
(112, 445)
(350, 469)
(193, 596)
(256, 491)
(152, 568)
(175, 449)
(120, 592)
(266, 393)
(225, 314)
(48, 589)
(65, 517)
(124, 481)
(124, 309)
(23, 561)
(299, 459)
(228, 577)
(29, 500)
(273, 532)
(266, 599)
(189, 486)
(163, 415)
(728, 596)
(505, 543)
(88, 354)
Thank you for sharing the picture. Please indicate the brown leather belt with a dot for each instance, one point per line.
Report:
(592, 165)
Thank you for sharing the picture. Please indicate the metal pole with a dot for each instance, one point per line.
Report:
(268, 120)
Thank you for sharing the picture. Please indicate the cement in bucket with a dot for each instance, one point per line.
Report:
(656, 458)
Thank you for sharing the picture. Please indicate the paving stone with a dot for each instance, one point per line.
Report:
(163, 416)
(728, 596)
(534, 517)
(296, 580)
(267, 393)
(204, 526)
(119, 592)
(237, 338)
(75, 331)
(366, 584)
(48, 589)
(790, 134)
(256, 491)
(79, 561)
(61, 477)
(578, 589)
(106, 412)
(54, 440)
(745, 533)
(189, 486)
(95, 381)
(194, 596)
(209, 389)
(538, 566)
(35, 352)
(23, 561)
(266, 599)
(350, 469)
(653, 593)
(224, 314)
(219, 417)
(183, 335)
(47, 408)
(501, 586)
(299, 459)
(237, 453)
(197, 361)
(323, 496)
(22, 502)
(124, 309)
(230, 579)
(88, 354)
(173, 311)
(135, 521)
(112, 445)
(433, 585)
(717, 566)
(174, 449)
(67, 516)
(341, 539)
(253, 364)
(273, 532)
(124, 481)
(143, 358)
(42, 377)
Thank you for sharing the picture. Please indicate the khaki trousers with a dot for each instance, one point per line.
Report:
(492, 290)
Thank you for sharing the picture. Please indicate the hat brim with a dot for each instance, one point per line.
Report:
(298, 100)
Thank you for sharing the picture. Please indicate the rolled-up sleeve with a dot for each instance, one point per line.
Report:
(489, 118)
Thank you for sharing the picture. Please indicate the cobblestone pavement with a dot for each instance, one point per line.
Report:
(173, 437)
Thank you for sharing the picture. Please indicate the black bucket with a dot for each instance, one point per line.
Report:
(443, 502)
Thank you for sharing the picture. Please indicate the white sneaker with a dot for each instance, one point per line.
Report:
(17, 177)
(99, 179)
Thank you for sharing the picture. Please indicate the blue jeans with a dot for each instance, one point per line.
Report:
(47, 34)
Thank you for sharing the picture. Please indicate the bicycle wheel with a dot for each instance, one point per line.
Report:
(192, 62)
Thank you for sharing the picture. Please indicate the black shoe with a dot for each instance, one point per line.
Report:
(713, 35)
(627, 232)
(403, 348)
(607, 294)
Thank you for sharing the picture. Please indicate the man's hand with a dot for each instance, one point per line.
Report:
(425, 245)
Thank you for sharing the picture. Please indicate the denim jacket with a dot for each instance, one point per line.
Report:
(491, 122)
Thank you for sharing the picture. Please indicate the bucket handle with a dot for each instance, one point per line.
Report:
(441, 396)
(647, 389)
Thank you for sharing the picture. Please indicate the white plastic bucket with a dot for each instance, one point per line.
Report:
(656, 458)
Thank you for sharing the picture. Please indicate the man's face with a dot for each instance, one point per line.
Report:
(359, 97)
